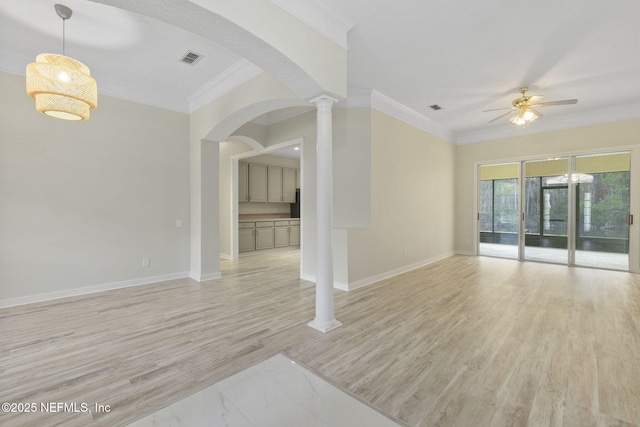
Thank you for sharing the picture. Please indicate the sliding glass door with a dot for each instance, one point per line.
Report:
(572, 210)
(602, 212)
(498, 210)
(546, 218)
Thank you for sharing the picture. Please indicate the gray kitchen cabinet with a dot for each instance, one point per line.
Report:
(257, 183)
(243, 182)
(246, 236)
(288, 185)
(294, 232)
(264, 235)
(281, 233)
(274, 184)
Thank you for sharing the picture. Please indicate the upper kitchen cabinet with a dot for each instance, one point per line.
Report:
(257, 183)
(243, 182)
(288, 185)
(274, 184)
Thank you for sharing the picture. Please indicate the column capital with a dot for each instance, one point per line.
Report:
(323, 100)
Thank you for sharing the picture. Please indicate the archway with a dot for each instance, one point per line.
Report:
(303, 65)
(297, 55)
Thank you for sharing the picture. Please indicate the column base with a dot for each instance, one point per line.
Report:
(323, 325)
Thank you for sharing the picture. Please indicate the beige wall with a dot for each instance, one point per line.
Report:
(82, 203)
(352, 167)
(597, 138)
(412, 200)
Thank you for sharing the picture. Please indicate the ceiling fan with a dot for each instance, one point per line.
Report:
(524, 108)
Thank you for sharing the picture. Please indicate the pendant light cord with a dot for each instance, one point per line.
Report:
(63, 38)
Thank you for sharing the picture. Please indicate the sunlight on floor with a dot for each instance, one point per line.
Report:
(607, 260)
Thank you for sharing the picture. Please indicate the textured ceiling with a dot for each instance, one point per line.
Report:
(465, 56)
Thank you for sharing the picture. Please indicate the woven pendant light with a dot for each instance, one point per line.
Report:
(61, 86)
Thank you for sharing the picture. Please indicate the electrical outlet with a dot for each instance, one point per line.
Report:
(178, 223)
(406, 252)
(146, 262)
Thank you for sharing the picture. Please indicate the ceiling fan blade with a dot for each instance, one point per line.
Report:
(537, 112)
(534, 99)
(563, 102)
(496, 109)
(499, 117)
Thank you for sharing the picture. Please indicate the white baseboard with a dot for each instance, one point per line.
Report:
(341, 286)
(396, 272)
(308, 277)
(469, 253)
(10, 302)
(205, 277)
(226, 256)
(386, 275)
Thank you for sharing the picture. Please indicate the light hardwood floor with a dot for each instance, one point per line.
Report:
(465, 341)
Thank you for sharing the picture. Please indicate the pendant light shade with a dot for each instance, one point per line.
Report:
(62, 87)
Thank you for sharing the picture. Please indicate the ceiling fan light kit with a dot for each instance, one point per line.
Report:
(62, 86)
(523, 108)
(524, 117)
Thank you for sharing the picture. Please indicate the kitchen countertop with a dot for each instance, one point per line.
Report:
(266, 218)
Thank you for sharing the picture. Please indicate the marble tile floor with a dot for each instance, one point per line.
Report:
(276, 392)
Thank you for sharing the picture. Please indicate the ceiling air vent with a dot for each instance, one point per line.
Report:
(191, 58)
(436, 107)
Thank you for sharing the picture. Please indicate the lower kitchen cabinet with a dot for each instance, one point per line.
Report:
(246, 236)
(294, 235)
(294, 232)
(281, 233)
(260, 235)
(264, 235)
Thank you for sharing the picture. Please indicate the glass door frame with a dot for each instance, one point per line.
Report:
(572, 213)
(634, 207)
(522, 251)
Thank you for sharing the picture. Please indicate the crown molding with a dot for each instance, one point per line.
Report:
(240, 72)
(550, 124)
(401, 112)
(318, 15)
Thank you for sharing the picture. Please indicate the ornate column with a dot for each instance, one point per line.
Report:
(324, 320)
